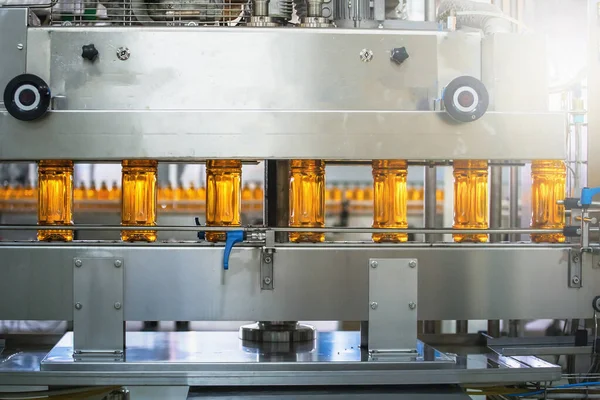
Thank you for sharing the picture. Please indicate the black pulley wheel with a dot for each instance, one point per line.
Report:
(466, 99)
(27, 97)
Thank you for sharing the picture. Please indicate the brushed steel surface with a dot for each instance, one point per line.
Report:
(392, 303)
(219, 359)
(13, 32)
(186, 282)
(98, 302)
(246, 134)
(242, 68)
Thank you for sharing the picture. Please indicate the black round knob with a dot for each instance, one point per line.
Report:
(89, 52)
(399, 55)
(27, 97)
(466, 99)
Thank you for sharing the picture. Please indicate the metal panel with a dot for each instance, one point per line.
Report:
(352, 135)
(13, 39)
(392, 304)
(243, 68)
(187, 283)
(98, 302)
(593, 77)
(514, 71)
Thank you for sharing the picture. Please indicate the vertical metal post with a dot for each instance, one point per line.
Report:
(493, 329)
(496, 201)
(430, 11)
(277, 196)
(462, 327)
(429, 216)
(430, 212)
(514, 202)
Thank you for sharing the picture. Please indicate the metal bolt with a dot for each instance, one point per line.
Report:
(267, 280)
(20, 46)
(268, 260)
(575, 258)
(412, 264)
(78, 263)
(575, 280)
(78, 306)
(123, 53)
(374, 264)
(117, 306)
(412, 305)
(118, 263)
(373, 305)
(366, 55)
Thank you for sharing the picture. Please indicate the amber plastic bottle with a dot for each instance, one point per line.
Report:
(246, 198)
(359, 198)
(223, 196)
(548, 186)
(201, 197)
(138, 203)
(307, 199)
(55, 198)
(470, 199)
(336, 199)
(103, 195)
(390, 199)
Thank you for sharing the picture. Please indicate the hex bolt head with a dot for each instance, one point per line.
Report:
(118, 263)
(412, 264)
(117, 306)
(412, 305)
(374, 305)
(374, 264)
(575, 280)
(78, 306)
(267, 280)
(78, 263)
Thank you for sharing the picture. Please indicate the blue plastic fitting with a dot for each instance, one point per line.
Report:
(587, 194)
(233, 237)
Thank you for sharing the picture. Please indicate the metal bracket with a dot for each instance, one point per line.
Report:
(267, 259)
(575, 278)
(392, 307)
(98, 317)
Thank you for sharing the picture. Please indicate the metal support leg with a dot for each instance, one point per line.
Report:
(277, 215)
(430, 212)
(462, 327)
(496, 202)
(493, 328)
(514, 202)
(430, 12)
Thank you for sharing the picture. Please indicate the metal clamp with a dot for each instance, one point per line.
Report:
(574, 278)
(267, 258)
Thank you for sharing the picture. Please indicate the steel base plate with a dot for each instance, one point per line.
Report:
(266, 332)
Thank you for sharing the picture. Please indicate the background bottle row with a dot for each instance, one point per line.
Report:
(353, 197)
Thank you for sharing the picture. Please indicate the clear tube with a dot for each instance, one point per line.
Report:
(390, 199)
(223, 196)
(470, 199)
(307, 199)
(138, 204)
(548, 186)
(55, 198)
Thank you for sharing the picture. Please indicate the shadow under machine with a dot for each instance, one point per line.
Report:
(142, 82)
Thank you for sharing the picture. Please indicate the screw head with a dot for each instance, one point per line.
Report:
(268, 260)
(118, 263)
(412, 264)
(123, 53)
(575, 280)
(267, 280)
(117, 306)
(374, 305)
(78, 263)
(78, 306)
(412, 305)
(366, 55)
(575, 258)
(20, 46)
(374, 264)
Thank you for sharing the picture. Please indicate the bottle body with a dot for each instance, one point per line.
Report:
(138, 202)
(307, 199)
(390, 199)
(548, 179)
(470, 199)
(223, 196)
(55, 198)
